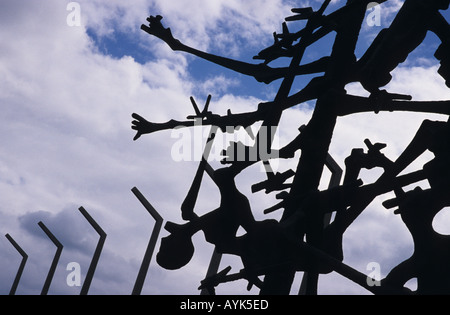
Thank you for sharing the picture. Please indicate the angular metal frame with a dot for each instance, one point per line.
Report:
(22, 264)
(59, 248)
(97, 253)
(137, 289)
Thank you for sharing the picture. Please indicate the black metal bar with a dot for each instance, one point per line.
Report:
(22, 264)
(98, 251)
(335, 180)
(151, 245)
(213, 268)
(187, 207)
(216, 257)
(59, 248)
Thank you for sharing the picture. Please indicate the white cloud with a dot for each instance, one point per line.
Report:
(423, 83)
(203, 23)
(66, 119)
(198, 23)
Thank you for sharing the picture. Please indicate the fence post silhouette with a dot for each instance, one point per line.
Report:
(59, 248)
(97, 253)
(21, 267)
(137, 289)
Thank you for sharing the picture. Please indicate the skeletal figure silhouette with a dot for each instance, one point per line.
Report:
(299, 241)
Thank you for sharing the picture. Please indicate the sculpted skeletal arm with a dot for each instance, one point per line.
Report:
(261, 72)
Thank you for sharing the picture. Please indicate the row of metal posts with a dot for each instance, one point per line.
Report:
(137, 289)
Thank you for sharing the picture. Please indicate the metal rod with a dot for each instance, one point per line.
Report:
(187, 207)
(335, 180)
(22, 264)
(216, 257)
(151, 245)
(98, 251)
(59, 248)
(213, 268)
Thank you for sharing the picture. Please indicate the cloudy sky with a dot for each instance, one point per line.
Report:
(67, 92)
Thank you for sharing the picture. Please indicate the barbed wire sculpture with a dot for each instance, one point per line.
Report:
(272, 251)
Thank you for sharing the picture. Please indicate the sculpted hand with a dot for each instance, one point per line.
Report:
(142, 126)
(156, 28)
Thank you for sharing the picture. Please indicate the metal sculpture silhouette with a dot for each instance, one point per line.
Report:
(300, 241)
